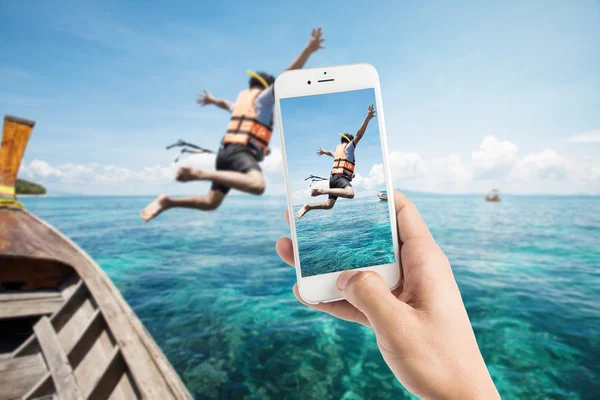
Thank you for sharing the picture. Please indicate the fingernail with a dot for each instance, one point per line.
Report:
(343, 279)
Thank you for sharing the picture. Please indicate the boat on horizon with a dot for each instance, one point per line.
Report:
(382, 195)
(493, 195)
(66, 332)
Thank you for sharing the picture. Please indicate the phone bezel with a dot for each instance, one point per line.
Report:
(322, 288)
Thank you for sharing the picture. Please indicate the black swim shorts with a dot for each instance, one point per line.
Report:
(338, 181)
(234, 157)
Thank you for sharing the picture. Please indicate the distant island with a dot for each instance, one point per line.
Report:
(29, 188)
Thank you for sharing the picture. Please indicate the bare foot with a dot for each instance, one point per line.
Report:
(302, 211)
(187, 174)
(316, 192)
(154, 208)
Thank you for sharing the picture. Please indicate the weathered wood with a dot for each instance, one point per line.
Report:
(85, 342)
(24, 296)
(58, 363)
(69, 308)
(21, 234)
(109, 378)
(29, 307)
(18, 375)
(42, 389)
(58, 319)
(20, 362)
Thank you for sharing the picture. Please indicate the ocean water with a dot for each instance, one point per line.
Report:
(353, 234)
(217, 299)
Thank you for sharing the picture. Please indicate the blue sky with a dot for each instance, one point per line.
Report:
(311, 122)
(476, 95)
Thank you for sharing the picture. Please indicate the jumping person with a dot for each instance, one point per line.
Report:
(342, 171)
(244, 145)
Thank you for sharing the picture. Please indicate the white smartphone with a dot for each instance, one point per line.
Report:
(339, 190)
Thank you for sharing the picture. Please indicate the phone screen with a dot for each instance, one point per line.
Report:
(337, 180)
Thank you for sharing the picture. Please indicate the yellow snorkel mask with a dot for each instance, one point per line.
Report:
(345, 137)
(258, 78)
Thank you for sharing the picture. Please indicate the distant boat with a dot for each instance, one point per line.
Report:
(382, 195)
(65, 330)
(493, 195)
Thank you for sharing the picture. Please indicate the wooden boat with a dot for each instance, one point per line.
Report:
(65, 330)
(493, 195)
(382, 195)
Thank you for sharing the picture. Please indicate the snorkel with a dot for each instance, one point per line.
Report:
(345, 137)
(258, 78)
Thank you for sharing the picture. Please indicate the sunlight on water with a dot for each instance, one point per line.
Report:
(217, 299)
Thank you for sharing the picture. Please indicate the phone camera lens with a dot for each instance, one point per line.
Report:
(324, 73)
(309, 82)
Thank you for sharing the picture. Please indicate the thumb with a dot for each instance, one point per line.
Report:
(368, 292)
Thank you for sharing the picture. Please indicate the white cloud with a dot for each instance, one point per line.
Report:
(407, 165)
(494, 159)
(273, 163)
(374, 180)
(547, 171)
(545, 165)
(592, 136)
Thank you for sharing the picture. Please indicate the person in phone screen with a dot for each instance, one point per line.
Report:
(342, 172)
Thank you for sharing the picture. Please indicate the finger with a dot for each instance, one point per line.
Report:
(409, 220)
(339, 309)
(367, 291)
(286, 215)
(322, 47)
(205, 91)
(285, 250)
(319, 31)
(322, 40)
(313, 32)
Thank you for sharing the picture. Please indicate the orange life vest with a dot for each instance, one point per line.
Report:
(341, 165)
(244, 128)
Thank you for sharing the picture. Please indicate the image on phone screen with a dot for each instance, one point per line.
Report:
(337, 180)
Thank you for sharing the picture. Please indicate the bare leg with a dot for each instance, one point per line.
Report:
(347, 192)
(211, 202)
(250, 182)
(319, 206)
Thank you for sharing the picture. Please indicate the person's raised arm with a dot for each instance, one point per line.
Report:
(361, 131)
(321, 151)
(315, 42)
(207, 98)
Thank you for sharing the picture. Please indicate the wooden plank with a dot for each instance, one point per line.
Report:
(63, 315)
(29, 308)
(111, 375)
(42, 389)
(20, 362)
(58, 319)
(84, 343)
(16, 382)
(58, 363)
(20, 296)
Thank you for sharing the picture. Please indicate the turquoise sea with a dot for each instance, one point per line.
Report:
(353, 234)
(217, 299)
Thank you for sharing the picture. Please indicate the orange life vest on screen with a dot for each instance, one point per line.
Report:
(341, 165)
(244, 128)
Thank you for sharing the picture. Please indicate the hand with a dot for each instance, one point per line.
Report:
(315, 42)
(321, 151)
(371, 113)
(205, 99)
(422, 328)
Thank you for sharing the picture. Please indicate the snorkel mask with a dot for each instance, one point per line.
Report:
(258, 78)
